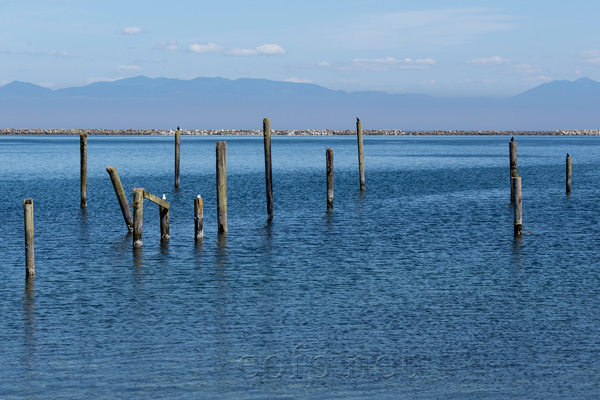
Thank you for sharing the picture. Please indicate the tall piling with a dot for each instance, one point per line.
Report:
(518, 206)
(198, 218)
(121, 197)
(83, 168)
(361, 159)
(29, 251)
(222, 186)
(569, 173)
(513, 165)
(138, 216)
(268, 170)
(177, 153)
(329, 154)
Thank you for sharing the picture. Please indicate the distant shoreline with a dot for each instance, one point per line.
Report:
(299, 132)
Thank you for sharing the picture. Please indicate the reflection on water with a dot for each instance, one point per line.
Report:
(29, 331)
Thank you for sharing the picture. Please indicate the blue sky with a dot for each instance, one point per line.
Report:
(442, 48)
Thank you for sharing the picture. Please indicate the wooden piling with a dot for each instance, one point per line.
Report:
(518, 206)
(361, 159)
(329, 154)
(513, 165)
(569, 172)
(222, 186)
(29, 250)
(164, 223)
(268, 170)
(116, 182)
(198, 218)
(177, 152)
(138, 216)
(83, 168)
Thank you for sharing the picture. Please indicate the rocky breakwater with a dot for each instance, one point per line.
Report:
(299, 132)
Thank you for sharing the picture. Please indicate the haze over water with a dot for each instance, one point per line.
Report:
(415, 288)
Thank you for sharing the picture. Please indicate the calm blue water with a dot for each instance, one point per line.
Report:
(414, 289)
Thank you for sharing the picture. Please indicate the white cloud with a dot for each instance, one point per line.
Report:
(490, 61)
(526, 69)
(128, 68)
(48, 85)
(540, 78)
(166, 45)
(591, 56)
(385, 64)
(130, 30)
(297, 80)
(265, 49)
(94, 80)
(205, 48)
(2, 83)
(324, 64)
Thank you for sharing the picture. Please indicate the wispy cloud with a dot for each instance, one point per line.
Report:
(53, 53)
(94, 80)
(129, 68)
(591, 56)
(167, 45)
(526, 69)
(540, 79)
(494, 60)
(205, 48)
(297, 80)
(130, 30)
(265, 49)
(380, 64)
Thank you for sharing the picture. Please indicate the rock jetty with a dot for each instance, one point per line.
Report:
(305, 132)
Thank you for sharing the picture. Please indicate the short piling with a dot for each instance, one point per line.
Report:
(116, 182)
(29, 250)
(164, 223)
(268, 170)
(83, 168)
(329, 154)
(361, 159)
(513, 165)
(569, 173)
(518, 206)
(177, 152)
(222, 186)
(198, 218)
(138, 216)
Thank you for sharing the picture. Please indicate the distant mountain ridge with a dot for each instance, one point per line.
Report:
(218, 103)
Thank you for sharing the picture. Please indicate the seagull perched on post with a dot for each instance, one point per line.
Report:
(164, 197)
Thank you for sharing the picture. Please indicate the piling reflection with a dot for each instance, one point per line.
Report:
(516, 251)
(138, 263)
(29, 327)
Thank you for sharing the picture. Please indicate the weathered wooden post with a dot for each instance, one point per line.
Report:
(222, 186)
(116, 182)
(513, 164)
(361, 159)
(329, 154)
(29, 253)
(268, 170)
(198, 218)
(164, 223)
(83, 168)
(177, 145)
(518, 206)
(569, 171)
(138, 216)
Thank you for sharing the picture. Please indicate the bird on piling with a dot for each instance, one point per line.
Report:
(512, 138)
(567, 155)
(164, 197)
(357, 120)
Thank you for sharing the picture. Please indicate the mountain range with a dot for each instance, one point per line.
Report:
(218, 103)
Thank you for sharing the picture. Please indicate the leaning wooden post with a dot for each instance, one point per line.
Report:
(518, 206)
(177, 145)
(116, 182)
(329, 153)
(361, 159)
(29, 253)
(198, 218)
(513, 164)
(222, 186)
(83, 168)
(164, 223)
(268, 170)
(138, 216)
(569, 171)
